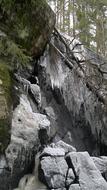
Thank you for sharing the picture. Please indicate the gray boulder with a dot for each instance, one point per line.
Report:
(53, 152)
(53, 171)
(101, 163)
(74, 187)
(88, 175)
(65, 146)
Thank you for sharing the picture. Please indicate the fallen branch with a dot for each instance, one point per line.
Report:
(68, 63)
(69, 51)
(71, 61)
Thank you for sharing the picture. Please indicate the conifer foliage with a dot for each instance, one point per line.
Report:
(85, 20)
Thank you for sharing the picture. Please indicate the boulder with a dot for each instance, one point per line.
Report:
(65, 146)
(53, 152)
(74, 187)
(53, 171)
(89, 176)
(32, 26)
(101, 163)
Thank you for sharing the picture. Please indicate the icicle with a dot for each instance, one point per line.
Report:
(54, 68)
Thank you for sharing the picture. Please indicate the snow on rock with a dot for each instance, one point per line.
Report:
(65, 146)
(48, 151)
(24, 133)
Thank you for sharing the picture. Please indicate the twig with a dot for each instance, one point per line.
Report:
(68, 63)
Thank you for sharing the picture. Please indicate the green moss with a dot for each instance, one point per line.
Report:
(31, 19)
(6, 81)
(4, 135)
(5, 104)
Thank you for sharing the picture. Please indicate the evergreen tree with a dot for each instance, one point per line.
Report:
(86, 20)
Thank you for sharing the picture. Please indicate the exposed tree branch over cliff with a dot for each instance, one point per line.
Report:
(89, 70)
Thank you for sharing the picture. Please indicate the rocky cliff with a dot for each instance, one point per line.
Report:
(56, 113)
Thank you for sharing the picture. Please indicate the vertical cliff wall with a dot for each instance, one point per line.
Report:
(84, 95)
(25, 28)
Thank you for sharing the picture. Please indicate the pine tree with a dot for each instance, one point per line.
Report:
(86, 20)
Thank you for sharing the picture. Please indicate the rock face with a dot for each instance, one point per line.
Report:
(85, 105)
(81, 100)
(32, 27)
(35, 90)
(25, 128)
(101, 164)
(24, 29)
(5, 105)
(25, 142)
(35, 136)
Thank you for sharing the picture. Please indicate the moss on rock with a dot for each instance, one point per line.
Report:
(5, 81)
(5, 104)
(29, 23)
(4, 134)
(25, 27)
